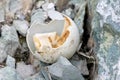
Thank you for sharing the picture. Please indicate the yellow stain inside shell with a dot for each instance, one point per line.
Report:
(52, 39)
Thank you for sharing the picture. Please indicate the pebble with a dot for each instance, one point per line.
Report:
(10, 61)
(8, 73)
(64, 70)
(21, 26)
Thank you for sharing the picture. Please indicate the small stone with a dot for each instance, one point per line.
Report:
(81, 65)
(51, 6)
(8, 42)
(21, 26)
(8, 73)
(68, 12)
(15, 5)
(25, 70)
(10, 61)
(38, 15)
(55, 15)
(39, 4)
(64, 70)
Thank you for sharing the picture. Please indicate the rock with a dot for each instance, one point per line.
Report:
(39, 4)
(61, 4)
(2, 14)
(3, 53)
(26, 6)
(106, 32)
(38, 15)
(37, 76)
(15, 5)
(81, 65)
(55, 15)
(19, 16)
(8, 73)
(24, 70)
(8, 42)
(68, 12)
(36, 63)
(10, 61)
(2, 11)
(21, 26)
(80, 12)
(64, 70)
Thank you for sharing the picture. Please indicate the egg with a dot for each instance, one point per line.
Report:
(47, 42)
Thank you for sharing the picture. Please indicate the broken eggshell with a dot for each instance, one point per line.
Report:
(50, 54)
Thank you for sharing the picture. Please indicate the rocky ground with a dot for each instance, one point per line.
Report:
(97, 58)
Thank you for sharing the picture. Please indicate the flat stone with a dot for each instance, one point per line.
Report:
(10, 61)
(64, 70)
(8, 73)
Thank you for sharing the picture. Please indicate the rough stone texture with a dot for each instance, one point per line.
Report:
(2, 14)
(38, 15)
(15, 5)
(37, 76)
(8, 42)
(10, 61)
(3, 53)
(24, 70)
(21, 26)
(81, 65)
(64, 70)
(2, 10)
(106, 32)
(8, 73)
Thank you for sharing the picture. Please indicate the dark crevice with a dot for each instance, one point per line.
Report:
(87, 30)
(87, 46)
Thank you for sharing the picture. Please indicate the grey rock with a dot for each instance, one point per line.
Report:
(8, 73)
(37, 76)
(2, 10)
(64, 70)
(38, 15)
(81, 65)
(24, 70)
(3, 53)
(21, 26)
(15, 5)
(10, 61)
(8, 42)
(106, 32)
(2, 14)
(39, 4)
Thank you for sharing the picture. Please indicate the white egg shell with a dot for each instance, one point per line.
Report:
(50, 55)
